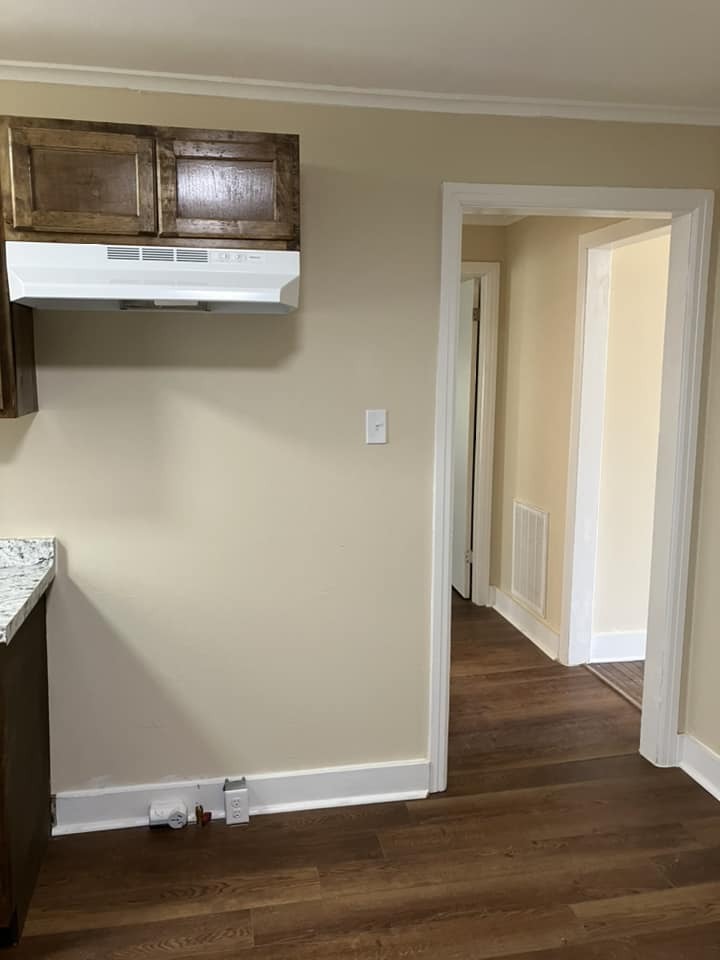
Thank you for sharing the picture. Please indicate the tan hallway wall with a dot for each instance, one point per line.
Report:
(208, 481)
(484, 243)
(638, 296)
(535, 365)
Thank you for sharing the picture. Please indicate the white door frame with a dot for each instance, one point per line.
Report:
(691, 213)
(595, 251)
(489, 311)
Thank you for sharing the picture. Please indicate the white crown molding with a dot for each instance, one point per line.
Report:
(329, 95)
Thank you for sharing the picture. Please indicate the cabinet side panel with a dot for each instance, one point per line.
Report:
(18, 379)
(27, 757)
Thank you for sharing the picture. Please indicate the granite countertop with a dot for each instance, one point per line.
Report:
(27, 568)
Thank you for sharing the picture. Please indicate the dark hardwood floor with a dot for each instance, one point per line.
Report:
(554, 841)
(626, 677)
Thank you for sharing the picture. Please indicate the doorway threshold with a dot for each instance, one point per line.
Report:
(626, 678)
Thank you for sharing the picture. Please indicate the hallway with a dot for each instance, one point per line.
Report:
(555, 841)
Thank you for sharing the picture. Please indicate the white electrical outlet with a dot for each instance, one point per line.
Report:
(237, 803)
(168, 813)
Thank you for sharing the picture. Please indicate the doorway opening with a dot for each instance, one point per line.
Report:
(690, 216)
(623, 279)
(474, 428)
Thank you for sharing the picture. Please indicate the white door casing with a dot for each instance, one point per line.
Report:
(463, 440)
(588, 403)
(691, 213)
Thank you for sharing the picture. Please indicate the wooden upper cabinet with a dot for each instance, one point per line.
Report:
(235, 187)
(80, 181)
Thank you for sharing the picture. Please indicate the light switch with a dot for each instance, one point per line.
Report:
(376, 426)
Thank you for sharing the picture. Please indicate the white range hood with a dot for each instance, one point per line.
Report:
(95, 276)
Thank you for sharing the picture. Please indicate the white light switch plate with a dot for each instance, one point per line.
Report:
(376, 426)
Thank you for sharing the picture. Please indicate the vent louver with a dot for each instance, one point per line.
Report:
(529, 556)
(164, 254)
(123, 253)
(192, 256)
(159, 254)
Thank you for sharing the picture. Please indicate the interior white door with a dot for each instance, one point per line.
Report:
(463, 440)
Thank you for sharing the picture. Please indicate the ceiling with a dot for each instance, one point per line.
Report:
(659, 53)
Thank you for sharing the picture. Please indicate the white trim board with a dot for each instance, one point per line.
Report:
(527, 623)
(700, 762)
(592, 318)
(617, 646)
(691, 213)
(488, 273)
(113, 808)
(331, 95)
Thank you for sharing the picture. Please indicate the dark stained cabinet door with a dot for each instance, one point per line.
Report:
(245, 187)
(81, 181)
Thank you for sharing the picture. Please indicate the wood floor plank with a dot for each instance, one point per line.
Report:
(631, 766)
(218, 937)
(479, 935)
(706, 830)
(169, 899)
(688, 943)
(650, 912)
(554, 841)
(683, 867)
(474, 892)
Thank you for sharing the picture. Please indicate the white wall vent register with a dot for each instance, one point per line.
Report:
(529, 556)
(95, 276)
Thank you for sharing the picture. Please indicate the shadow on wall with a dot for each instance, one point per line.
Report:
(124, 339)
(13, 434)
(120, 716)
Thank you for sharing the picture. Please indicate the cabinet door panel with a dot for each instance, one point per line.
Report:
(240, 189)
(78, 181)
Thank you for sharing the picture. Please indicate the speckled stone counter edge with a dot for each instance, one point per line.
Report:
(27, 568)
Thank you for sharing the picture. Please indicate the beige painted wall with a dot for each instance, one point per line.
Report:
(638, 296)
(535, 366)
(484, 243)
(226, 600)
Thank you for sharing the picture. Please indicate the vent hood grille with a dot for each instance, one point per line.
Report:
(94, 276)
(123, 253)
(191, 255)
(160, 254)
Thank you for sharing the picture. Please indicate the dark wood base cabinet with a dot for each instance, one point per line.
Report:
(25, 816)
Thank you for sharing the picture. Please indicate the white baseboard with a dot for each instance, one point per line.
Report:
(113, 808)
(701, 763)
(540, 634)
(622, 645)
